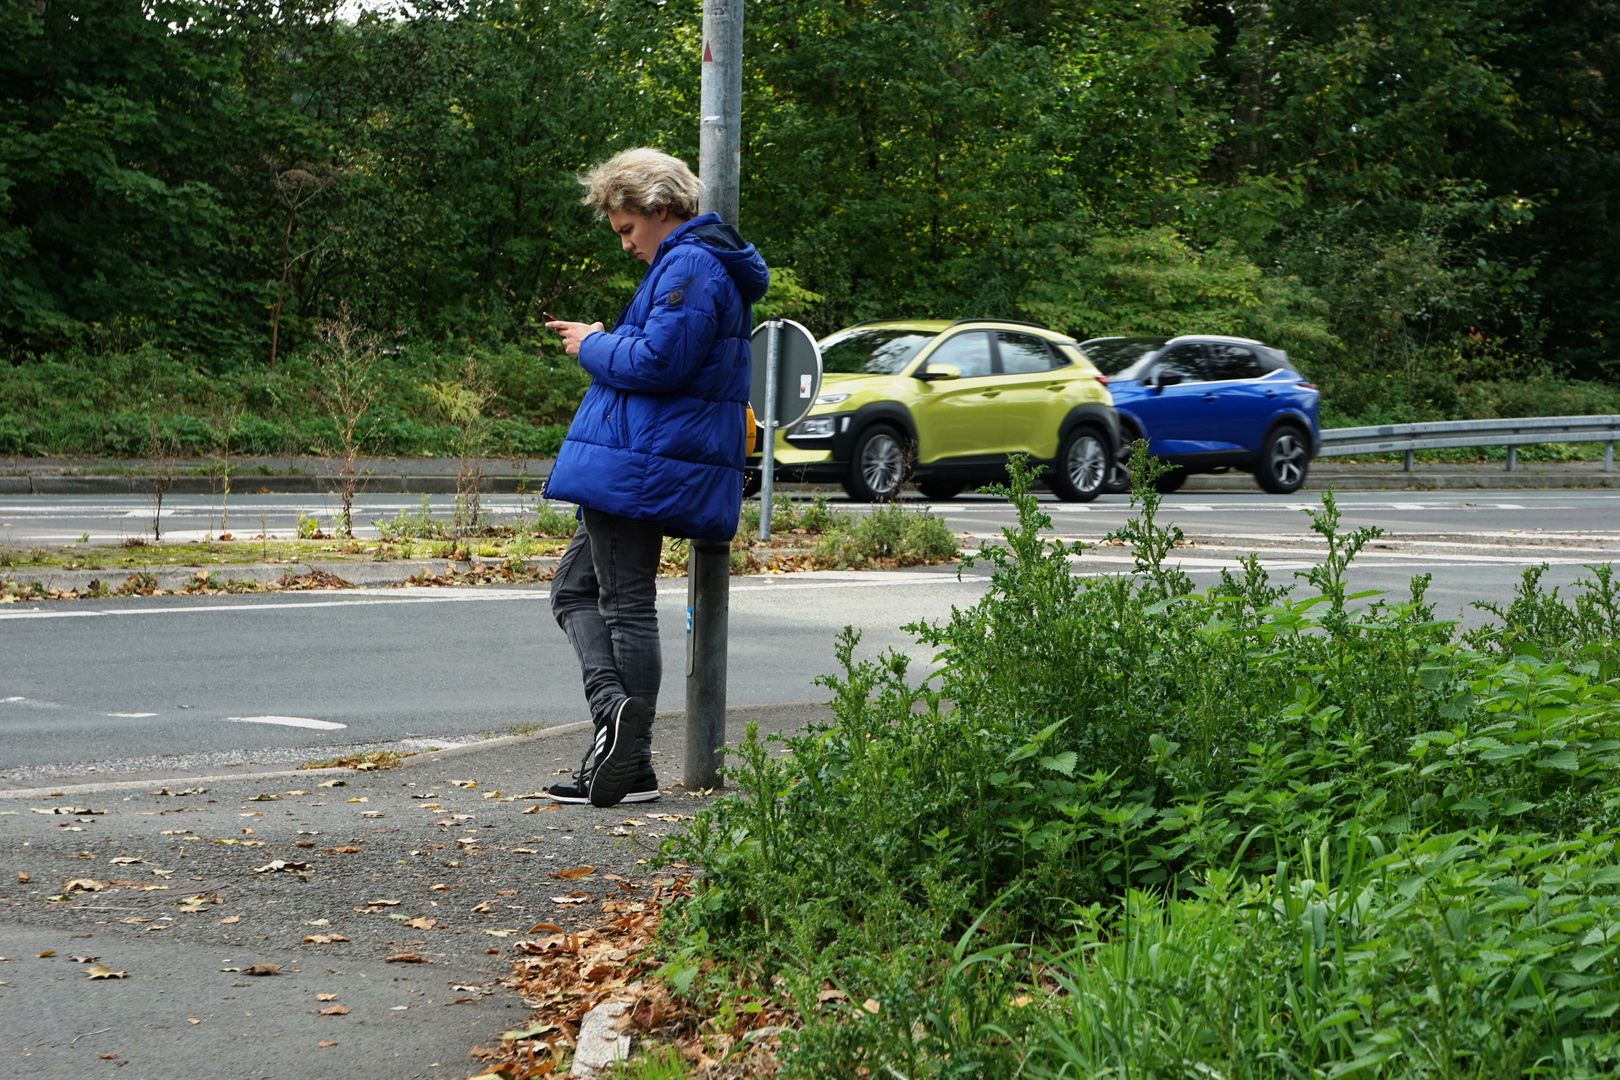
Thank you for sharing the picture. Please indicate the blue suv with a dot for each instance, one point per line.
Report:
(1206, 403)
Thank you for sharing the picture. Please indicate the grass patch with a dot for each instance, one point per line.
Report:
(376, 759)
(1124, 826)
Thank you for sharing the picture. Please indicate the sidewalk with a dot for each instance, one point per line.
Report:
(418, 884)
(292, 475)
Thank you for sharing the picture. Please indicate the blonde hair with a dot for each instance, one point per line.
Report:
(642, 180)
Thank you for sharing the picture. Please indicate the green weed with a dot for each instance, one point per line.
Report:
(1126, 827)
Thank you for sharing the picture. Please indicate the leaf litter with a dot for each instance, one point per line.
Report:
(566, 974)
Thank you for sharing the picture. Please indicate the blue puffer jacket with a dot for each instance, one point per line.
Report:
(660, 434)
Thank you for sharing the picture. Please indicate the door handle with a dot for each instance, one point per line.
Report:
(1271, 393)
(991, 393)
(1209, 397)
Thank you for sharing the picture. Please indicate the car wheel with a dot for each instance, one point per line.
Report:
(878, 466)
(940, 490)
(1171, 481)
(1083, 466)
(1285, 458)
(1119, 477)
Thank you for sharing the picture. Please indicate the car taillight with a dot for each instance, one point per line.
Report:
(1308, 385)
(1101, 378)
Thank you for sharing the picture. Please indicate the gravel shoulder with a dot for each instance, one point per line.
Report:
(398, 863)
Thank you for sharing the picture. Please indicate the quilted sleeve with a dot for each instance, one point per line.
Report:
(689, 298)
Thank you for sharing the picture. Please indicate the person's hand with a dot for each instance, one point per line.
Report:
(573, 333)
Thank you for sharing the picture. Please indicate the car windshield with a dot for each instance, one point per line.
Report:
(1119, 356)
(872, 352)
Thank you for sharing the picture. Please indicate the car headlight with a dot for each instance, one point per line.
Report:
(819, 427)
(831, 399)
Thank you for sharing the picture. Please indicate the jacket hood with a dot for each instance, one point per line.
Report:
(738, 256)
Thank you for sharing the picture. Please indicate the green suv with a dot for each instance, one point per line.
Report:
(943, 404)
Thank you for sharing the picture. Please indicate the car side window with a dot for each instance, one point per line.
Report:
(1022, 354)
(1185, 360)
(1223, 362)
(969, 353)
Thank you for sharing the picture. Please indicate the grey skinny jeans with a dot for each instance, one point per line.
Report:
(604, 596)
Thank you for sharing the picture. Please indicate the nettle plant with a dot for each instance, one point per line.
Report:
(1092, 761)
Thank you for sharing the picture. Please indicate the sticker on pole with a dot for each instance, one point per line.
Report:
(798, 371)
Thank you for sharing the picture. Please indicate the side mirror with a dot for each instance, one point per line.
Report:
(1166, 377)
(936, 372)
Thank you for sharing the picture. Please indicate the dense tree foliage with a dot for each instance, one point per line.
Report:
(1415, 197)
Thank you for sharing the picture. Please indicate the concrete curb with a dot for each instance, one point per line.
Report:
(362, 574)
(414, 761)
(1392, 478)
(272, 485)
(426, 757)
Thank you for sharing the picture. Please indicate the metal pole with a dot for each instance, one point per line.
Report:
(1406, 461)
(709, 600)
(720, 130)
(1608, 456)
(1513, 457)
(767, 464)
(709, 568)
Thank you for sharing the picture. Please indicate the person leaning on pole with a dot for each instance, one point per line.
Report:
(656, 449)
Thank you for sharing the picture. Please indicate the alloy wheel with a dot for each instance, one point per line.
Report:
(1087, 464)
(882, 462)
(1288, 460)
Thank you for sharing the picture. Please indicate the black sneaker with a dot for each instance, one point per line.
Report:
(615, 757)
(643, 789)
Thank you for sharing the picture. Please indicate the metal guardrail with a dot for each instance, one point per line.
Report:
(1512, 433)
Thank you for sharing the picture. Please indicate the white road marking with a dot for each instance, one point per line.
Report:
(130, 715)
(29, 703)
(288, 721)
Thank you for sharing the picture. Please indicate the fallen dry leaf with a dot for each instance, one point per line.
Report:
(569, 899)
(23, 878)
(102, 971)
(335, 1010)
(340, 851)
(298, 793)
(108, 1057)
(52, 952)
(324, 1045)
(124, 860)
(421, 922)
(228, 921)
(85, 959)
(575, 874)
(262, 969)
(483, 907)
(325, 939)
(325, 997)
(465, 783)
(281, 864)
(824, 996)
(83, 885)
(406, 958)
(192, 1020)
(872, 1005)
(550, 928)
(334, 783)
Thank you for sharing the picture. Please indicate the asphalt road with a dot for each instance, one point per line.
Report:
(178, 685)
(469, 866)
(60, 519)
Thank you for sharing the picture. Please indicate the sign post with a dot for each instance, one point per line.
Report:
(767, 463)
(708, 569)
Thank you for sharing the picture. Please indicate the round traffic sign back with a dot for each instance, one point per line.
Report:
(798, 371)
